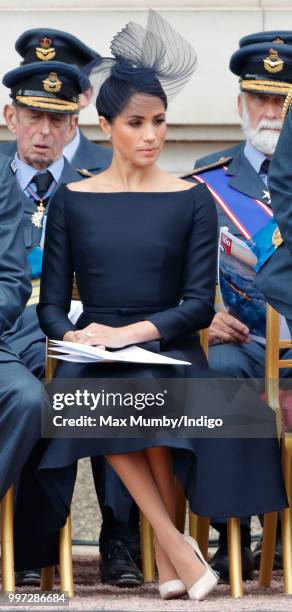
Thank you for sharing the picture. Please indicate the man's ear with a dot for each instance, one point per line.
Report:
(239, 104)
(71, 131)
(9, 114)
(85, 98)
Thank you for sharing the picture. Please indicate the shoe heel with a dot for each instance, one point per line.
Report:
(208, 581)
(172, 589)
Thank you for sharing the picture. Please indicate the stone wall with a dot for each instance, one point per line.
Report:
(204, 116)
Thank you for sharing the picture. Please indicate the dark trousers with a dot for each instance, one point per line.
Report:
(21, 397)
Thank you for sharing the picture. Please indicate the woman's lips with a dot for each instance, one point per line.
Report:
(148, 150)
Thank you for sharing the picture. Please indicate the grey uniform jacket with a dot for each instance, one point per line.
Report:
(14, 274)
(89, 156)
(274, 279)
(26, 330)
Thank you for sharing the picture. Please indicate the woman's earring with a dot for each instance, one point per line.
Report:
(109, 136)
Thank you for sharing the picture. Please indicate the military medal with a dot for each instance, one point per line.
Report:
(37, 217)
(277, 238)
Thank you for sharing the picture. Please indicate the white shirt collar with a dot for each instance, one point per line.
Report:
(25, 172)
(254, 156)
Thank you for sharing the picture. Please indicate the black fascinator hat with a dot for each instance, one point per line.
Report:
(154, 60)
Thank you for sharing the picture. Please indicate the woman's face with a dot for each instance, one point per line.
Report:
(138, 132)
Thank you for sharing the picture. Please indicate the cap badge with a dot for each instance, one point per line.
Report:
(52, 83)
(273, 63)
(45, 52)
(277, 238)
(279, 41)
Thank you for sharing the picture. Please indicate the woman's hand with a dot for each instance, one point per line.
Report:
(96, 334)
(99, 335)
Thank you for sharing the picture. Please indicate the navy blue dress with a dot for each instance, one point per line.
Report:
(145, 256)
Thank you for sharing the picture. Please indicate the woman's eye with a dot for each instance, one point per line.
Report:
(158, 121)
(135, 123)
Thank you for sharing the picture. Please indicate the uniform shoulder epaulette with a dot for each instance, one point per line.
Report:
(84, 172)
(217, 164)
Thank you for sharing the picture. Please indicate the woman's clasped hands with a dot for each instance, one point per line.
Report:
(99, 335)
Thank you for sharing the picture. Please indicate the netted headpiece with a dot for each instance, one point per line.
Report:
(155, 60)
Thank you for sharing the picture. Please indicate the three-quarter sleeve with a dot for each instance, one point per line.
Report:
(196, 307)
(280, 182)
(57, 272)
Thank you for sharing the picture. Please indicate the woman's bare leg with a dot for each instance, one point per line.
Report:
(134, 471)
(160, 464)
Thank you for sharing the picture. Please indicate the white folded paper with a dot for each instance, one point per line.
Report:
(82, 353)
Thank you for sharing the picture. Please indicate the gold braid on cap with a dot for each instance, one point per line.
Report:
(48, 103)
(287, 104)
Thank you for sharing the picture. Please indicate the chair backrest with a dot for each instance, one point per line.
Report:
(273, 361)
(204, 336)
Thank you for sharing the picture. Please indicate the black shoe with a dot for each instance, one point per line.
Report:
(28, 578)
(136, 557)
(117, 566)
(220, 564)
(278, 557)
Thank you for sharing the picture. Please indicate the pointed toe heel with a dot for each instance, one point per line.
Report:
(200, 589)
(172, 589)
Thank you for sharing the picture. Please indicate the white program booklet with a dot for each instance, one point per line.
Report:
(83, 353)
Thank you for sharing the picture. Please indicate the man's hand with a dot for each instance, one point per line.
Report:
(96, 334)
(226, 328)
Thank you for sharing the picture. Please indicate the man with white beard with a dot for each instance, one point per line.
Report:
(238, 179)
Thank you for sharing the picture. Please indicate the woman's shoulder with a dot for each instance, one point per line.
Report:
(197, 190)
(95, 183)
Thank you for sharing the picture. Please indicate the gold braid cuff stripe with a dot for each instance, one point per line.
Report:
(287, 104)
(266, 86)
(56, 104)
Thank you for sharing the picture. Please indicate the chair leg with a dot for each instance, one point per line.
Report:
(193, 524)
(148, 564)
(268, 548)
(234, 554)
(66, 571)
(180, 507)
(47, 578)
(287, 516)
(7, 547)
(203, 534)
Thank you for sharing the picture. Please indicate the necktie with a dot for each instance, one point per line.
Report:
(42, 182)
(265, 166)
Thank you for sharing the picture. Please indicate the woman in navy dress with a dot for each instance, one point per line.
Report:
(142, 244)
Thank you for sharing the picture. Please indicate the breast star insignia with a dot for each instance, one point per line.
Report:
(266, 196)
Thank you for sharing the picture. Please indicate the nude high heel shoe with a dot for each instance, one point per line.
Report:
(172, 589)
(208, 581)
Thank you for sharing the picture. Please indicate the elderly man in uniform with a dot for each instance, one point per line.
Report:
(238, 179)
(43, 44)
(43, 117)
(20, 392)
